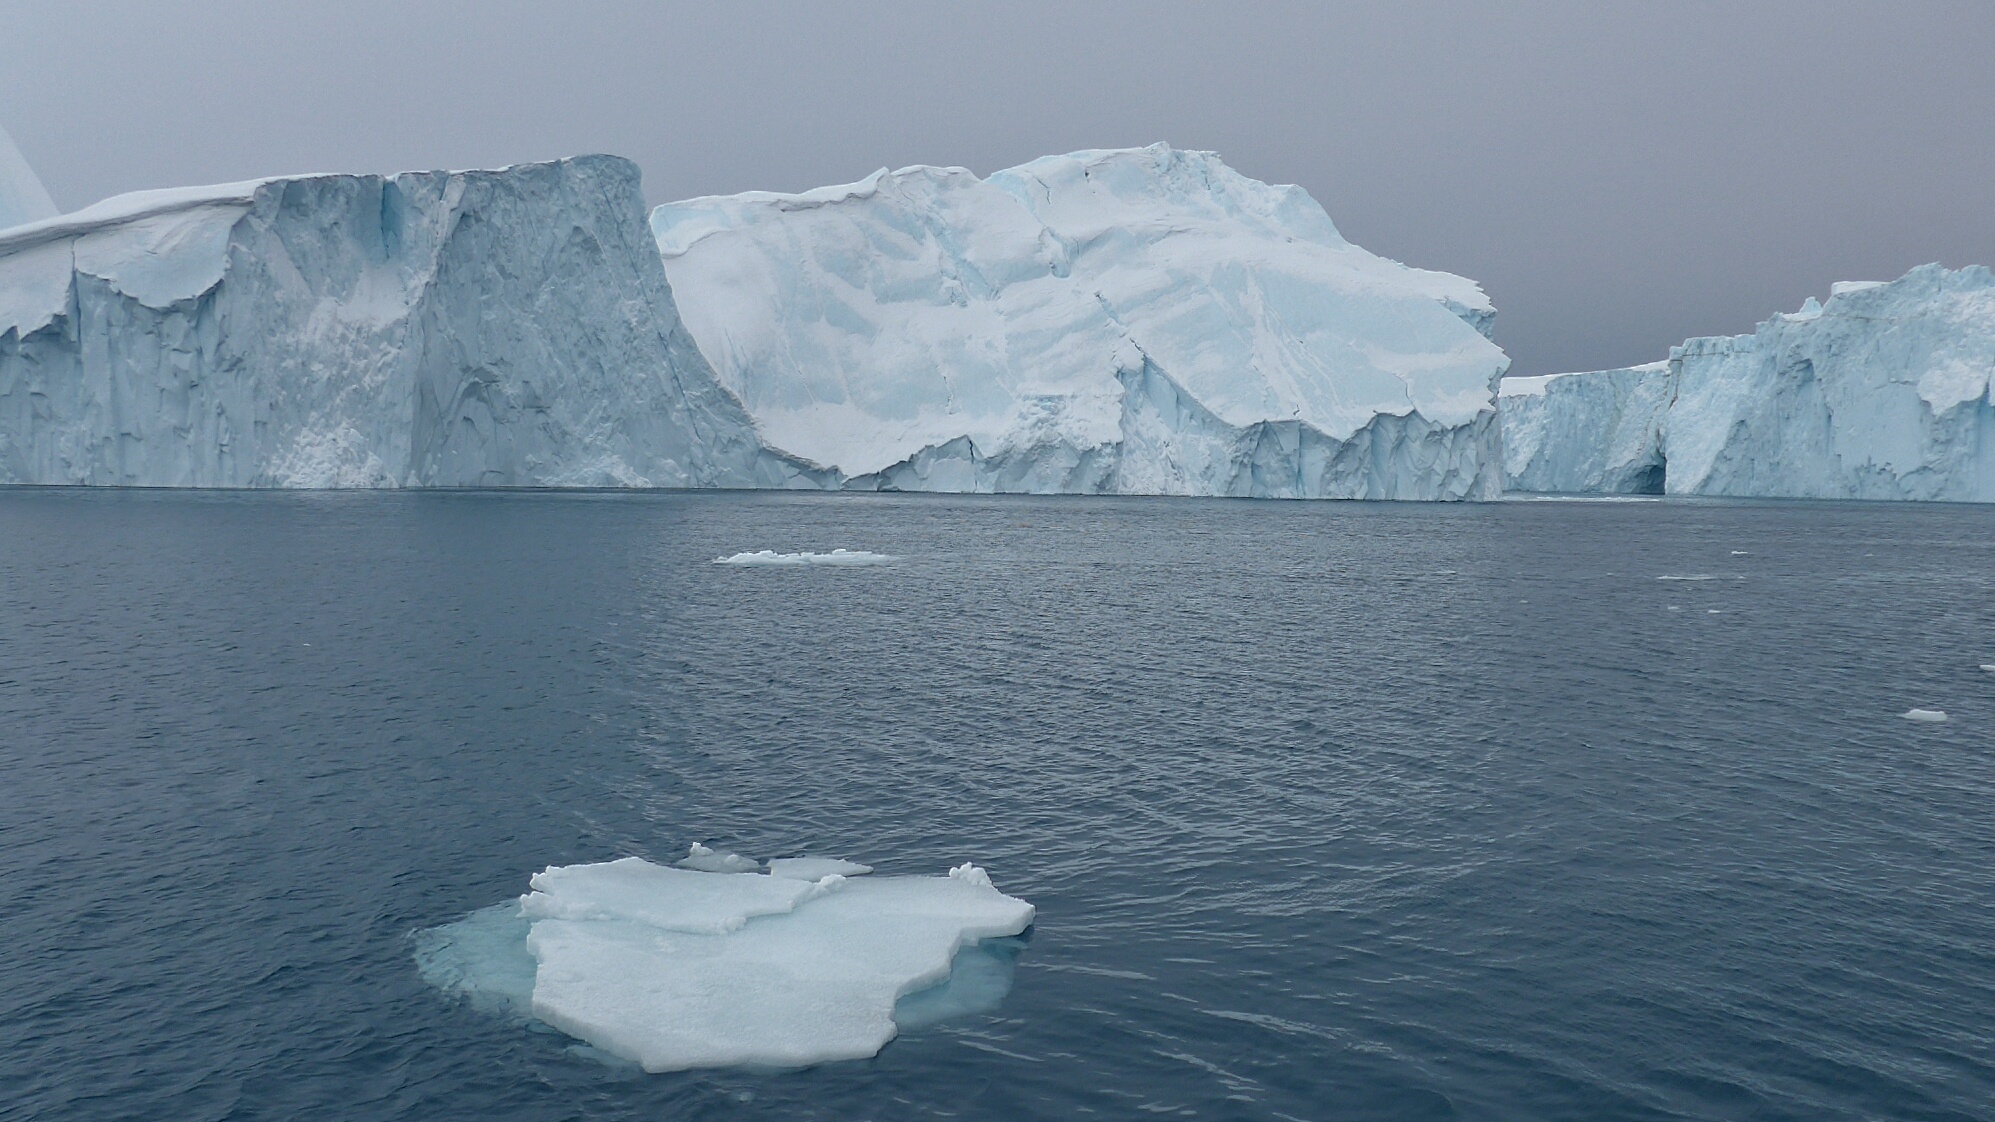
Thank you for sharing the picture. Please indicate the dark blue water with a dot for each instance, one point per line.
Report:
(1330, 810)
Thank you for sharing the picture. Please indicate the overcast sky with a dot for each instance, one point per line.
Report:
(1617, 176)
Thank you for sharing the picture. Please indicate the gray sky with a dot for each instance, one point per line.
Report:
(1617, 176)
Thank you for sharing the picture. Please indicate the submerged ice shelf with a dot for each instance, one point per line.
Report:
(674, 968)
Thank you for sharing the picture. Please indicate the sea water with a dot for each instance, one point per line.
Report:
(1329, 810)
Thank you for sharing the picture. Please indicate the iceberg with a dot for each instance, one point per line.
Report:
(479, 328)
(23, 199)
(1137, 321)
(1885, 391)
(674, 968)
(1586, 433)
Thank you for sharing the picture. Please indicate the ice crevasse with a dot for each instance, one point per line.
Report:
(481, 328)
(1884, 391)
(1137, 321)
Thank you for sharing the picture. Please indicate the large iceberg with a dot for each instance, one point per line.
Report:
(1887, 391)
(679, 968)
(1141, 321)
(1597, 432)
(23, 199)
(485, 328)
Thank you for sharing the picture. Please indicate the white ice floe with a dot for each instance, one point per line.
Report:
(1932, 716)
(846, 557)
(1700, 577)
(1989, 667)
(674, 968)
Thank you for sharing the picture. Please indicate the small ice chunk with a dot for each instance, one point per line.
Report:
(970, 874)
(850, 558)
(1740, 553)
(1989, 667)
(816, 868)
(1931, 716)
(711, 861)
(1676, 607)
(1713, 612)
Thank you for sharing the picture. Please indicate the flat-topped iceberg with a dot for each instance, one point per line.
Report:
(676, 968)
(1886, 391)
(1142, 321)
(485, 328)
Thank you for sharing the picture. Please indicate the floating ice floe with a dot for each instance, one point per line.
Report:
(852, 557)
(1930, 716)
(1701, 577)
(681, 968)
(1989, 667)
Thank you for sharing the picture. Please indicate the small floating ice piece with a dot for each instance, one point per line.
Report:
(711, 861)
(1931, 716)
(816, 868)
(837, 557)
(1700, 577)
(805, 986)
(1989, 667)
(1740, 553)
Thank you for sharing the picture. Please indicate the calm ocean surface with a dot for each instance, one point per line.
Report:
(1330, 810)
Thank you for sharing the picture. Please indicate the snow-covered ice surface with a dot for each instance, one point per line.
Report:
(835, 558)
(1138, 321)
(673, 969)
(22, 197)
(485, 328)
(1886, 391)
(1928, 716)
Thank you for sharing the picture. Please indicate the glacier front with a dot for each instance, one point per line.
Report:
(1138, 321)
(1886, 391)
(482, 328)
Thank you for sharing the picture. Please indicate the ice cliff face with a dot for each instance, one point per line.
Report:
(22, 197)
(501, 328)
(1887, 391)
(1586, 432)
(1143, 321)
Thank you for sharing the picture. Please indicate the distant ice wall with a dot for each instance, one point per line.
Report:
(22, 197)
(1140, 321)
(1887, 391)
(1595, 432)
(485, 328)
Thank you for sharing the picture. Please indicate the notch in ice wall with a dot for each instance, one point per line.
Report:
(483, 328)
(22, 196)
(1885, 391)
(1138, 321)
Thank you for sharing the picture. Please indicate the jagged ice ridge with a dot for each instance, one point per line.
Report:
(1887, 391)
